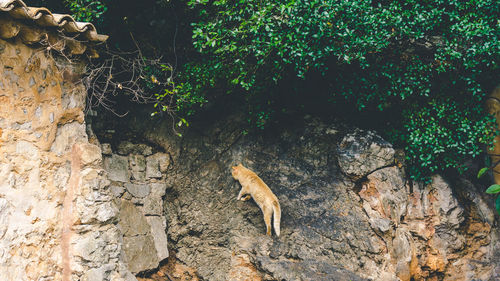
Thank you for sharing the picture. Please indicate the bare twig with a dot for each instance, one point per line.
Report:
(128, 73)
(142, 80)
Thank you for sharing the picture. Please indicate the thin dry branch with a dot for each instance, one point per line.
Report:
(121, 73)
(126, 73)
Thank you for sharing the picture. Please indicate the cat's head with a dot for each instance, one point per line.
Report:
(236, 171)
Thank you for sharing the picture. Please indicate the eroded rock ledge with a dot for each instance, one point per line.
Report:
(349, 213)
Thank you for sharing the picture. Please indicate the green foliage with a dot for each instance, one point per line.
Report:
(421, 69)
(87, 10)
(497, 204)
(494, 189)
(444, 134)
(82, 10)
(482, 171)
(430, 62)
(189, 95)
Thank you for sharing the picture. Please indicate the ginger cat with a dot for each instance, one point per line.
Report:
(255, 187)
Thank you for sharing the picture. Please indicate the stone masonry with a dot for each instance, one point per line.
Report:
(57, 216)
(137, 178)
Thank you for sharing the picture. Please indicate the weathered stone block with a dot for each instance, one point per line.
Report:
(91, 154)
(158, 231)
(117, 167)
(137, 166)
(157, 164)
(126, 148)
(153, 167)
(132, 221)
(158, 189)
(138, 190)
(140, 253)
(164, 161)
(153, 205)
(138, 244)
(86, 213)
(106, 212)
(116, 190)
(87, 247)
(66, 136)
(93, 181)
(95, 274)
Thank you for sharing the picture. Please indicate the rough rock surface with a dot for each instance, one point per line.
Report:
(137, 188)
(333, 226)
(360, 153)
(223, 238)
(57, 220)
(348, 211)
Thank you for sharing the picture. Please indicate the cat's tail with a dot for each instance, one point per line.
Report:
(276, 217)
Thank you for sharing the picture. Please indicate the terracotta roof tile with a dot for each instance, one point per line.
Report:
(33, 24)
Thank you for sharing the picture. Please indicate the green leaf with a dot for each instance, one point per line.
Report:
(482, 171)
(497, 204)
(495, 188)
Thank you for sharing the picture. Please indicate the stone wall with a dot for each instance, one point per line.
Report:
(137, 176)
(57, 217)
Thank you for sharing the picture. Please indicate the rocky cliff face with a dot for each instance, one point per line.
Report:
(348, 212)
(57, 220)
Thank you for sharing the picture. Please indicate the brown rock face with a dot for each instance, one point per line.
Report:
(338, 222)
(54, 201)
(242, 269)
(173, 270)
(427, 227)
